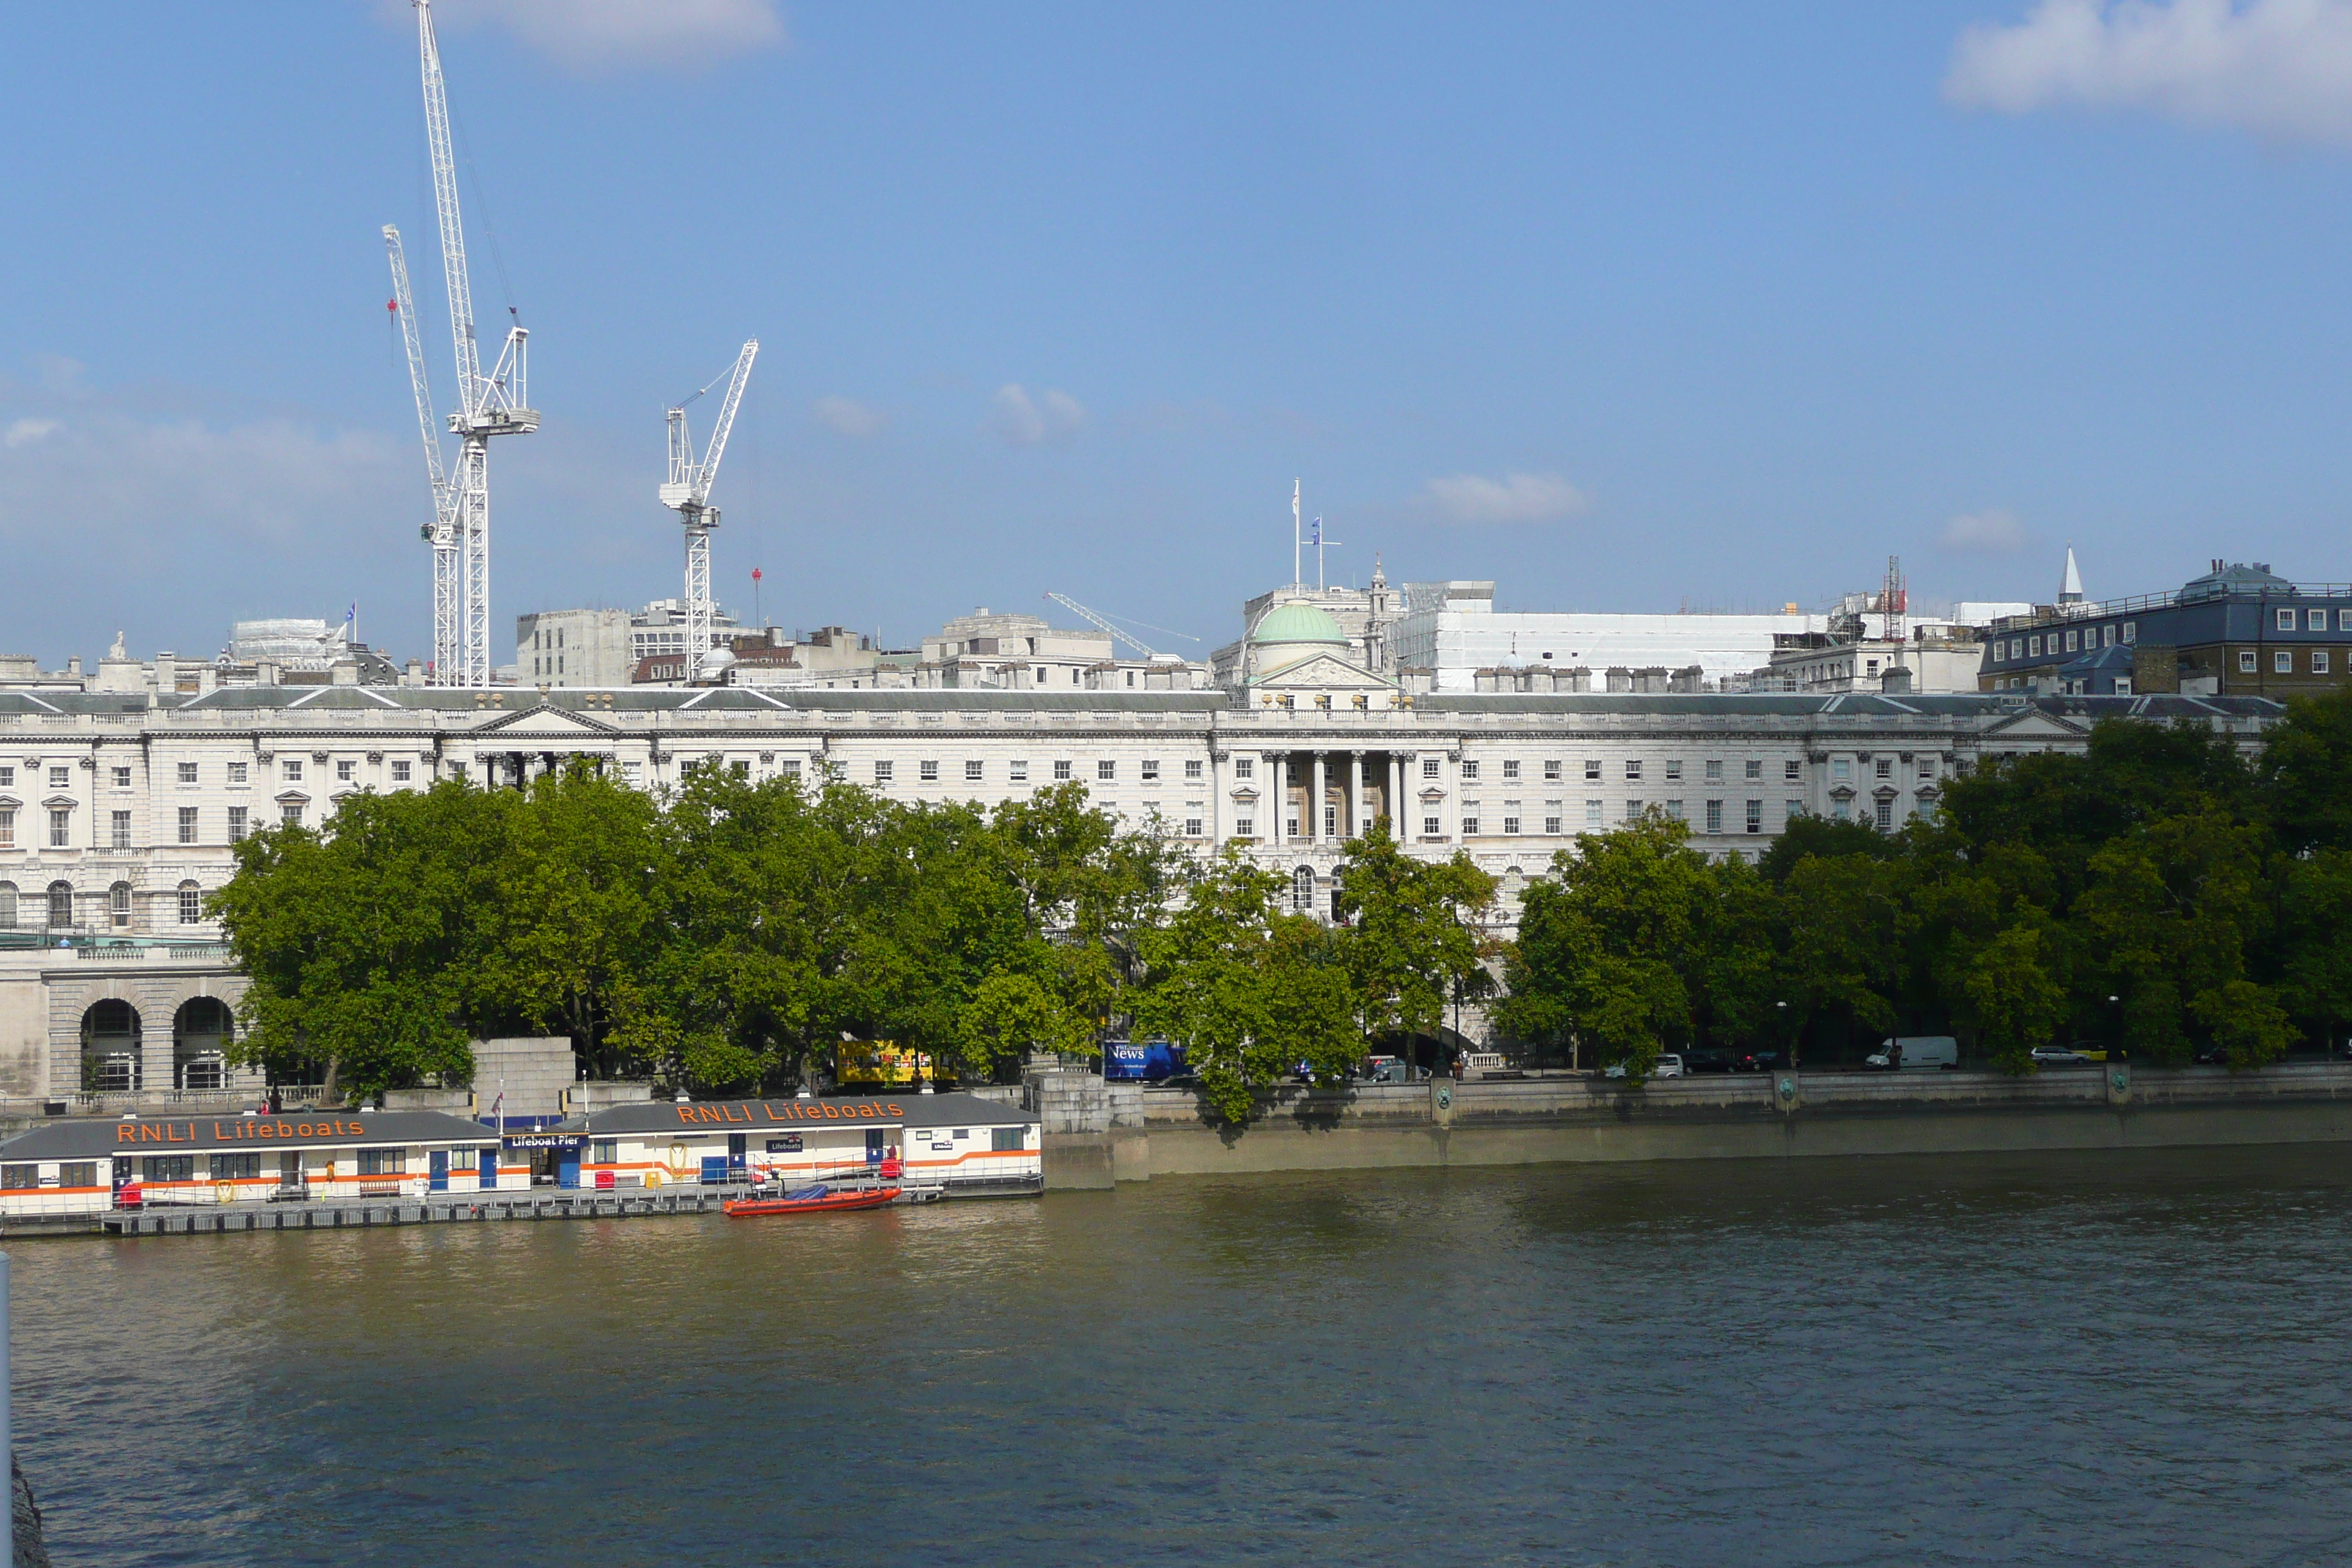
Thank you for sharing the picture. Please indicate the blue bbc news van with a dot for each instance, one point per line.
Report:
(1141, 1062)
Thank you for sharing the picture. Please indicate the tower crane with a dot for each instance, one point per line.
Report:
(494, 404)
(688, 493)
(1129, 638)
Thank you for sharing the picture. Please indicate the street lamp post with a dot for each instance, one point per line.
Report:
(1781, 1011)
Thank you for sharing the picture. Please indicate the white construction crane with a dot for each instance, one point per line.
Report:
(1130, 640)
(688, 493)
(493, 404)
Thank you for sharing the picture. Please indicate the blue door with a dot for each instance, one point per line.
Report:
(567, 1171)
(874, 1146)
(739, 1167)
(714, 1170)
(440, 1183)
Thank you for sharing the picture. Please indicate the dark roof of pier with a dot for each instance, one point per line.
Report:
(789, 1115)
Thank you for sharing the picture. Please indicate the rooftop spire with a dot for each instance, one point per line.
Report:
(2070, 587)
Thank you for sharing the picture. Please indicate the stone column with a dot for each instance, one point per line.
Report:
(1355, 794)
(1400, 823)
(1314, 806)
(1216, 798)
(1277, 791)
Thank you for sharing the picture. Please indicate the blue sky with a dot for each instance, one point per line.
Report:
(1626, 307)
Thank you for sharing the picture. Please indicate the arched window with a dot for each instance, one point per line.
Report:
(118, 906)
(1512, 880)
(200, 1037)
(60, 905)
(192, 904)
(111, 1062)
(7, 906)
(1302, 890)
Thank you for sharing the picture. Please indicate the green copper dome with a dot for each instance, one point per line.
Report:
(1298, 622)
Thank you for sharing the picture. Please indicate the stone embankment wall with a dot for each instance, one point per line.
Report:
(1092, 1138)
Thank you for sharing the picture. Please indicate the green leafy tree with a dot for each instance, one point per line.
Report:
(2017, 1002)
(1417, 931)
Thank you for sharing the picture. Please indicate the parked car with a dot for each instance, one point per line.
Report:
(1669, 1065)
(2059, 1056)
(2213, 1056)
(1756, 1061)
(1912, 1052)
(1387, 1069)
(1706, 1061)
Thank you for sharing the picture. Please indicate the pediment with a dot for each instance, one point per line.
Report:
(2033, 724)
(1319, 672)
(546, 722)
(61, 803)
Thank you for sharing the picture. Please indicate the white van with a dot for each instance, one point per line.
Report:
(1915, 1052)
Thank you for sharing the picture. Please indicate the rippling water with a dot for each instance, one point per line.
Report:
(2091, 1359)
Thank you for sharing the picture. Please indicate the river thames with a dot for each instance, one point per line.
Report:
(2094, 1358)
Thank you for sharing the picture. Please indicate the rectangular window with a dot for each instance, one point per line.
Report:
(1429, 764)
(1674, 768)
(1511, 824)
(1194, 827)
(1886, 815)
(60, 778)
(8, 774)
(2245, 661)
(82, 1173)
(1431, 827)
(7, 828)
(384, 1161)
(122, 778)
(1632, 770)
(882, 773)
(236, 824)
(1632, 810)
(1469, 819)
(2033, 647)
(1592, 769)
(2282, 662)
(1551, 770)
(927, 772)
(1715, 817)
(1792, 771)
(1105, 770)
(236, 1167)
(1592, 813)
(1018, 772)
(1061, 772)
(168, 1168)
(1193, 770)
(1791, 809)
(1714, 770)
(974, 769)
(401, 773)
(1884, 767)
(119, 829)
(346, 770)
(60, 827)
(2316, 620)
(236, 773)
(187, 772)
(188, 825)
(292, 770)
(291, 814)
(191, 905)
(1511, 770)
(1245, 767)
(1927, 767)
(19, 1178)
(2073, 642)
(606, 1151)
(1469, 767)
(1675, 809)
(1755, 816)
(2319, 661)
(2131, 631)
(2286, 620)
(1755, 769)
(1007, 1139)
(2343, 624)
(1150, 770)
(1244, 827)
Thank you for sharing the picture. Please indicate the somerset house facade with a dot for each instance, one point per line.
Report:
(117, 810)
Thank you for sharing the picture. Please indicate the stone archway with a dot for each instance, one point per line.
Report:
(201, 1032)
(111, 1059)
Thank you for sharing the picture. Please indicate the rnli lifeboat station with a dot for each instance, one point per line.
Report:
(256, 1171)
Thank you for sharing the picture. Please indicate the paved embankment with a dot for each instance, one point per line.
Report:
(1163, 1132)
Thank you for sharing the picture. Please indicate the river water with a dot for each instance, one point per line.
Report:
(2094, 1358)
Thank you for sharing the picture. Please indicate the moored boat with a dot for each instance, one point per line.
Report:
(817, 1198)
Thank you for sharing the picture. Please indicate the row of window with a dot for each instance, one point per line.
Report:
(289, 769)
(2079, 639)
(1751, 768)
(975, 771)
(58, 905)
(2283, 661)
(119, 828)
(1842, 769)
(223, 1167)
(1555, 820)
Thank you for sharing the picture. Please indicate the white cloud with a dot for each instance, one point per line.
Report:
(1993, 530)
(25, 432)
(1515, 498)
(2278, 68)
(849, 416)
(1020, 420)
(590, 35)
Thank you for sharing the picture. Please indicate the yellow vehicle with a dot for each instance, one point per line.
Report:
(880, 1064)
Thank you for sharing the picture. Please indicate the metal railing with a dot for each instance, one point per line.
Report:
(2050, 614)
